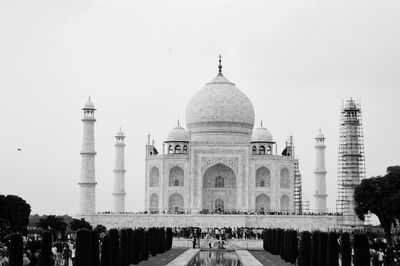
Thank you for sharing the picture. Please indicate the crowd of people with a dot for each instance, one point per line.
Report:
(217, 233)
(231, 212)
(63, 252)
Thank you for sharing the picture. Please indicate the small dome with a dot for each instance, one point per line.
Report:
(89, 105)
(350, 104)
(120, 133)
(178, 134)
(261, 134)
(320, 135)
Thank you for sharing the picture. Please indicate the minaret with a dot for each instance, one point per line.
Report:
(119, 173)
(87, 198)
(351, 161)
(320, 173)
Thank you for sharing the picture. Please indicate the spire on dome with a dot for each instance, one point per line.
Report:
(261, 124)
(178, 123)
(220, 66)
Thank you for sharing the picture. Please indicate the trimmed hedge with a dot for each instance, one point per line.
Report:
(114, 247)
(169, 237)
(94, 240)
(105, 251)
(45, 256)
(305, 248)
(345, 249)
(322, 248)
(16, 246)
(314, 248)
(361, 250)
(83, 248)
(332, 258)
(123, 251)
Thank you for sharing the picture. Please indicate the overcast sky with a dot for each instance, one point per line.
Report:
(142, 61)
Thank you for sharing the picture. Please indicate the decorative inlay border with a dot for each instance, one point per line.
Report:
(208, 162)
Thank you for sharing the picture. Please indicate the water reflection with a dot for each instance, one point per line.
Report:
(216, 258)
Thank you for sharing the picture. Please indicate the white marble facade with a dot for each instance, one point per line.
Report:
(219, 162)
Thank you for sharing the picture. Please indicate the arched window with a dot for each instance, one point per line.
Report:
(176, 176)
(285, 203)
(263, 177)
(254, 150)
(263, 203)
(285, 181)
(169, 149)
(154, 177)
(185, 149)
(153, 202)
(261, 150)
(219, 181)
(219, 205)
(175, 202)
(177, 149)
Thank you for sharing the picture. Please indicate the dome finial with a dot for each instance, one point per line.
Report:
(178, 123)
(261, 123)
(220, 66)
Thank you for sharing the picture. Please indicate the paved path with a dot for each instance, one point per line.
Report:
(163, 259)
(185, 258)
(267, 259)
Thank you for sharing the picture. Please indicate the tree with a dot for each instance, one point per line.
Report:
(305, 247)
(100, 229)
(53, 223)
(16, 246)
(381, 196)
(15, 211)
(76, 224)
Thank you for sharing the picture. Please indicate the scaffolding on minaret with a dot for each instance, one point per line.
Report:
(298, 201)
(297, 190)
(351, 161)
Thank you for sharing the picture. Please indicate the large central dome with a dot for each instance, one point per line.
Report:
(220, 107)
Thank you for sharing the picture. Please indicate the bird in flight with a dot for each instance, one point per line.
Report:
(19, 149)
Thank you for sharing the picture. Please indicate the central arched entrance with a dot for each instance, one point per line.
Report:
(219, 188)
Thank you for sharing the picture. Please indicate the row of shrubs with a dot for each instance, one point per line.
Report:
(317, 248)
(281, 242)
(118, 248)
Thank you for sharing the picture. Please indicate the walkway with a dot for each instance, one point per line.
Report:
(267, 259)
(163, 259)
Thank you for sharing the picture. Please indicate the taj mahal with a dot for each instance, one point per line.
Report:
(220, 165)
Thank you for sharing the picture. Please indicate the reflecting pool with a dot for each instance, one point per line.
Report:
(216, 258)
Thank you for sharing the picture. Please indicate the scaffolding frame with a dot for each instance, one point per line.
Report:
(351, 161)
(298, 201)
